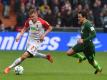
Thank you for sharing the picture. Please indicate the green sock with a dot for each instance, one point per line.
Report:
(78, 56)
(96, 65)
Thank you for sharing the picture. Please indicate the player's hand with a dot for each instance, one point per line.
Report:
(80, 41)
(42, 37)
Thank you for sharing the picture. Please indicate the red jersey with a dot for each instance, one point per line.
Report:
(36, 29)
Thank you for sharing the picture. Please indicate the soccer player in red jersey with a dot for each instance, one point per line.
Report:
(38, 29)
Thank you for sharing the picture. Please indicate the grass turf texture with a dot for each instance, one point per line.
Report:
(63, 68)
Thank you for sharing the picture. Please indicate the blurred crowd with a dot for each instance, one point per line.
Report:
(59, 13)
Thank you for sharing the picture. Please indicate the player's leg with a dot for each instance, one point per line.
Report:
(20, 59)
(33, 49)
(41, 55)
(17, 62)
(90, 54)
(46, 56)
(95, 64)
(75, 52)
(98, 67)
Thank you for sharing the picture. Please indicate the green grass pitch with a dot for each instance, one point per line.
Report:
(63, 68)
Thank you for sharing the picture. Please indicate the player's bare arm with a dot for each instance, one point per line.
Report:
(21, 33)
(46, 32)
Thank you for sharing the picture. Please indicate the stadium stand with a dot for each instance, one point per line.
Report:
(59, 13)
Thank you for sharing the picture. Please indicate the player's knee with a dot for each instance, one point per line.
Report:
(70, 52)
(24, 56)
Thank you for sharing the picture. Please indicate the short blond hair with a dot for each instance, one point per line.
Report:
(31, 11)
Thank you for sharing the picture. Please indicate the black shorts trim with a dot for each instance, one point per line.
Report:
(30, 54)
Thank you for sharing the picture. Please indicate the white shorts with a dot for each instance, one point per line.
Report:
(33, 46)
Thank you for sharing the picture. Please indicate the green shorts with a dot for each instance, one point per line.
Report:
(87, 49)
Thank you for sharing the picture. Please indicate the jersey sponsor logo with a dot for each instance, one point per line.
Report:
(32, 28)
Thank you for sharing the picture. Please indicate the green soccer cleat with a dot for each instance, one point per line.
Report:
(98, 71)
(81, 59)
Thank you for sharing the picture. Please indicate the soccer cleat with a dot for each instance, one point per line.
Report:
(80, 60)
(98, 71)
(7, 70)
(49, 58)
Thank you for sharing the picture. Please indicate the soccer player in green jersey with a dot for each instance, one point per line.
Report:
(85, 43)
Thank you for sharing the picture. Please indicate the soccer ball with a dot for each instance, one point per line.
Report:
(18, 70)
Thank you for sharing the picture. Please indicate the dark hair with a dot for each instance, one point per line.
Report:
(83, 13)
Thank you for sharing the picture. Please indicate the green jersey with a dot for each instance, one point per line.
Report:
(87, 31)
(87, 34)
